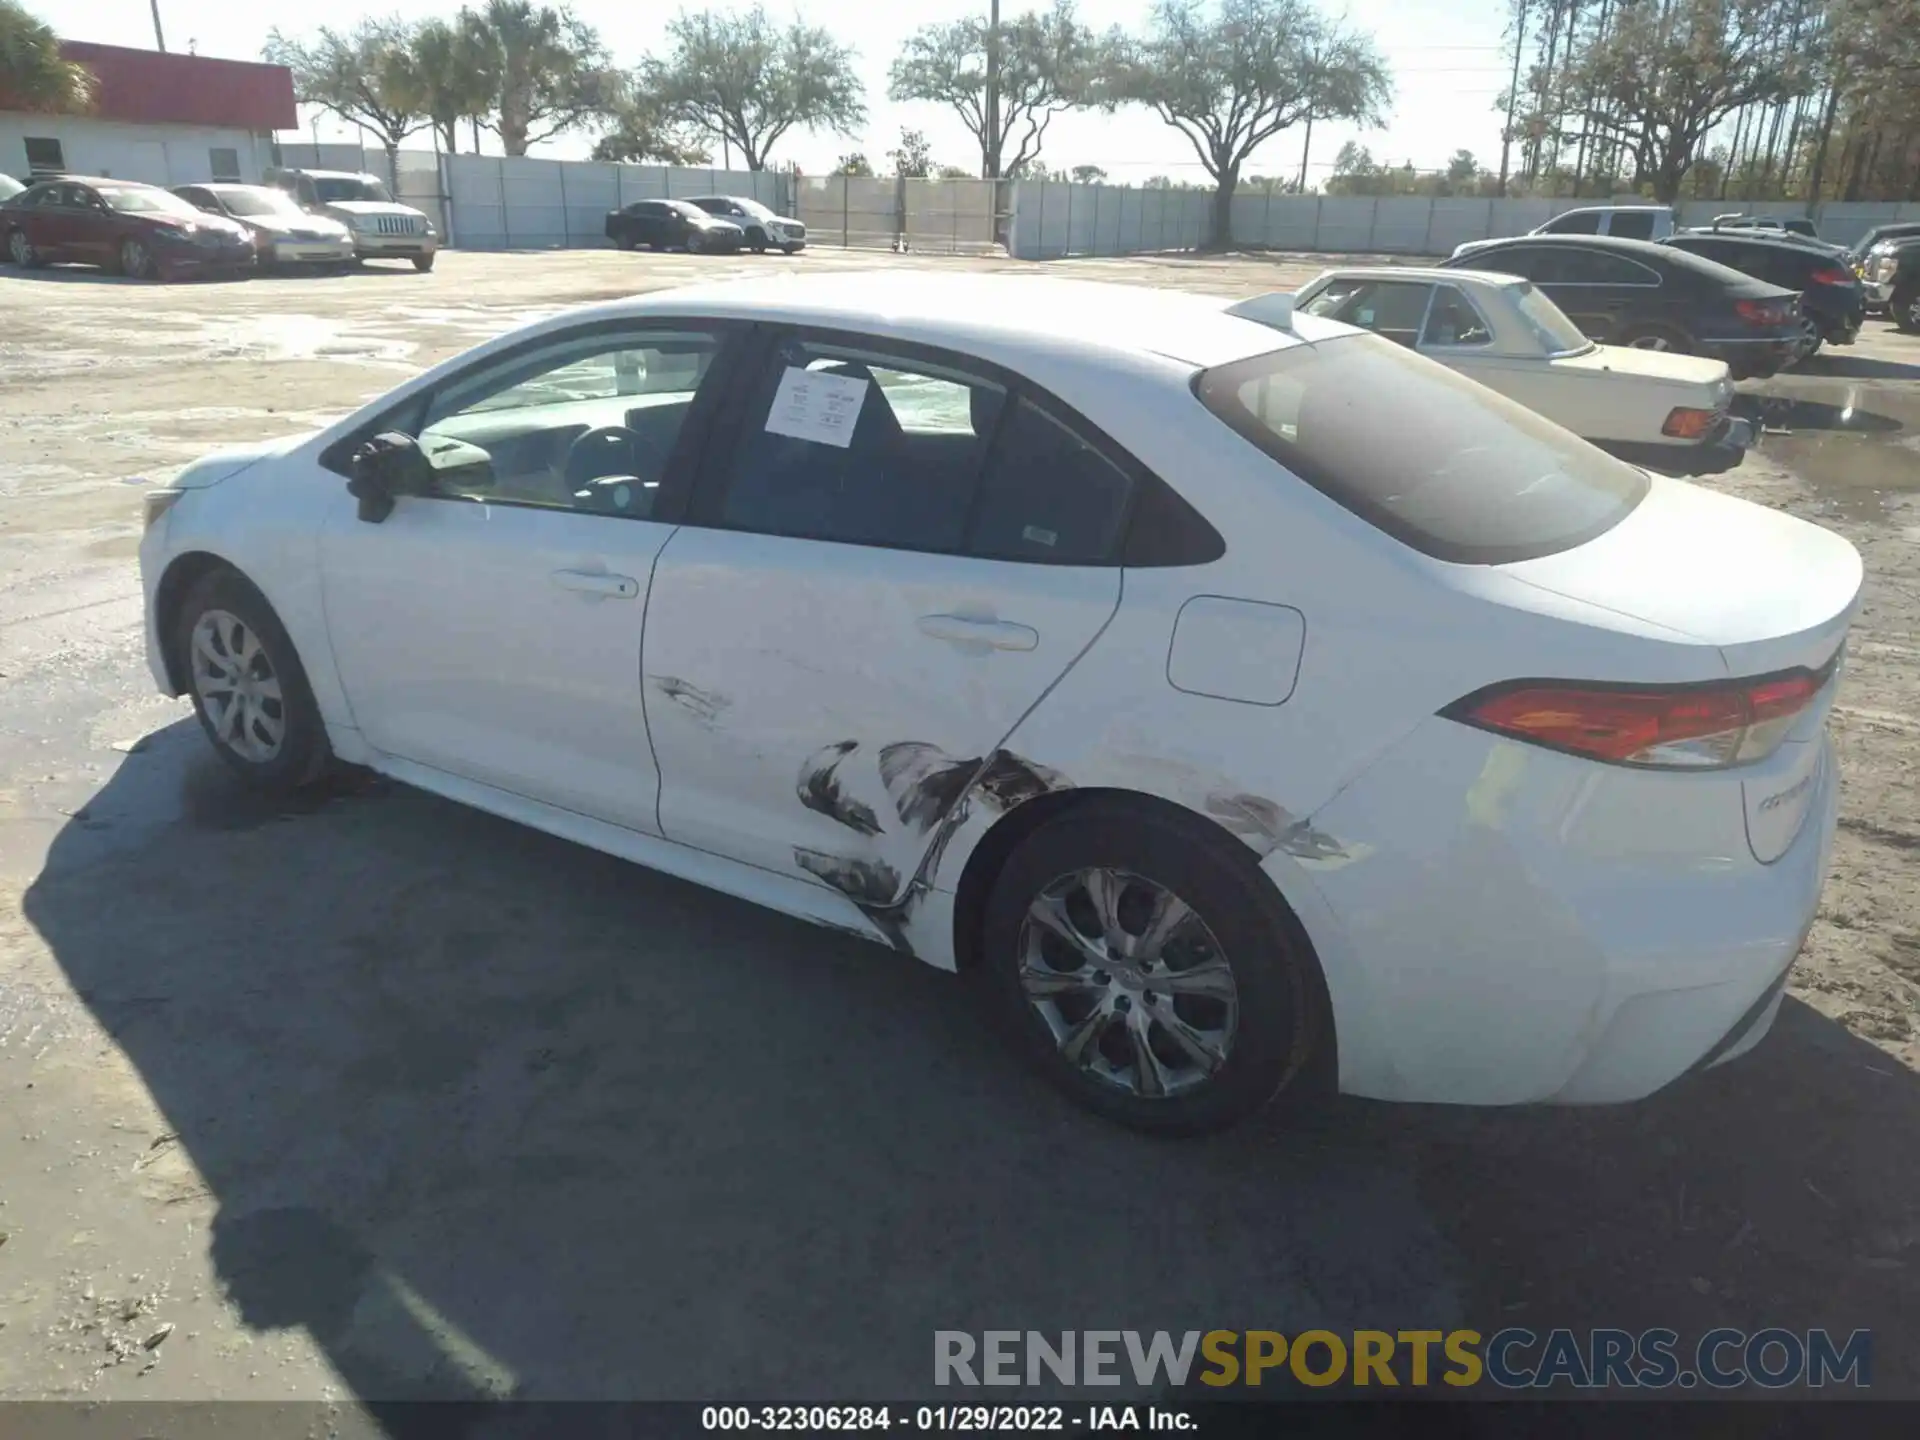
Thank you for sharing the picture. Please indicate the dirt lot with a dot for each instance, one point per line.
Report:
(383, 1098)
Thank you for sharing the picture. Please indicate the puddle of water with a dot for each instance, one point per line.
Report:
(1854, 445)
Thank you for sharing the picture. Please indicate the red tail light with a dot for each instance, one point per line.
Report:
(1670, 727)
(1765, 312)
(1832, 275)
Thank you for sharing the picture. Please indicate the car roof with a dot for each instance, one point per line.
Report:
(98, 180)
(1616, 243)
(735, 199)
(331, 174)
(1610, 209)
(1425, 272)
(1003, 313)
(1740, 235)
(217, 186)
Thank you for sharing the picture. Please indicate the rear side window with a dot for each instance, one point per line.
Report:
(1596, 267)
(1440, 463)
(1632, 224)
(1047, 495)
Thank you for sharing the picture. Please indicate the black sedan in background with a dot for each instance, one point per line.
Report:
(1833, 303)
(1653, 297)
(672, 225)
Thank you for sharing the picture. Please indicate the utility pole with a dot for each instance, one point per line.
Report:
(159, 37)
(1513, 95)
(992, 137)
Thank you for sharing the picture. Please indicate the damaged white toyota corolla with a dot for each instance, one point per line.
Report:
(1251, 710)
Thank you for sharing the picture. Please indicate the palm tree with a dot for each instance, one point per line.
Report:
(33, 76)
(450, 64)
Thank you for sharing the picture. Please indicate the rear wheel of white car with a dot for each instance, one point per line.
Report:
(1657, 337)
(1149, 970)
(247, 684)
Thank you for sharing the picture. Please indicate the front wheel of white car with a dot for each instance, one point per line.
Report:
(248, 688)
(1149, 970)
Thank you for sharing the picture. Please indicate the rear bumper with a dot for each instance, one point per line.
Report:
(1752, 358)
(1504, 925)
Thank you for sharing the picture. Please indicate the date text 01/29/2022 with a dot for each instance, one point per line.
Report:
(813, 1419)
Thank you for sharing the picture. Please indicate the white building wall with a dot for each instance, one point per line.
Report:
(156, 154)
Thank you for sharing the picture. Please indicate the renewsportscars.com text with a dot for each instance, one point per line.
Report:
(1513, 1359)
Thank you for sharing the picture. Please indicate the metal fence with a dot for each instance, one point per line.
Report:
(1053, 219)
(519, 203)
(952, 216)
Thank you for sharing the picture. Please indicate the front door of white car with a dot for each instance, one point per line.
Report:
(491, 629)
(893, 560)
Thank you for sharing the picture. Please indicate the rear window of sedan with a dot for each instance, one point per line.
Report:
(1435, 460)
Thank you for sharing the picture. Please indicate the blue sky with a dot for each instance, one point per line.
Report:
(1445, 54)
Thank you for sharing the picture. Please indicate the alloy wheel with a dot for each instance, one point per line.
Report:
(1650, 342)
(1809, 335)
(1130, 982)
(133, 259)
(20, 248)
(234, 678)
(1913, 312)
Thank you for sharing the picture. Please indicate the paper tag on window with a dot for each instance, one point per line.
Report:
(817, 405)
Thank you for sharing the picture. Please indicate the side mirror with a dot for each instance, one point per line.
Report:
(386, 467)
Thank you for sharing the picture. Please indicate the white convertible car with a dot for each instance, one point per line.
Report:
(1246, 709)
(1503, 332)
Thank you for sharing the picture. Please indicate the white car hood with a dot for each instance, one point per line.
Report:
(225, 463)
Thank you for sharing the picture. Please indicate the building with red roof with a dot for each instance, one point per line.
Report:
(163, 118)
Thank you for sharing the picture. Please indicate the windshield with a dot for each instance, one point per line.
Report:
(1435, 460)
(259, 202)
(143, 201)
(1556, 333)
(688, 209)
(331, 190)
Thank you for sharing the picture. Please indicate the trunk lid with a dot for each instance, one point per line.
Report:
(1611, 360)
(1770, 591)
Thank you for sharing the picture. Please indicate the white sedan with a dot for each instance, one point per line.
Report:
(1502, 331)
(1247, 710)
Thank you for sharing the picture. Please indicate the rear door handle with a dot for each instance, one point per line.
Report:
(979, 634)
(597, 582)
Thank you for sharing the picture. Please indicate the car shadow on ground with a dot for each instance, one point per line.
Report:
(1858, 367)
(485, 1113)
(1785, 412)
(62, 274)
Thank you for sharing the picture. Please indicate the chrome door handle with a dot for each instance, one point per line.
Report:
(597, 582)
(980, 634)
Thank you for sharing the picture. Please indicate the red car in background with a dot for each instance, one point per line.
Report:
(140, 230)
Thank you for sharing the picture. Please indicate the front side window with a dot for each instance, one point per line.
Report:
(587, 423)
(1452, 320)
(1575, 222)
(861, 448)
(1435, 460)
(331, 190)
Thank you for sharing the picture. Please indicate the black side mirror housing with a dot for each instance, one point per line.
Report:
(386, 467)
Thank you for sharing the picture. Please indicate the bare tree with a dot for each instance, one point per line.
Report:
(1048, 63)
(741, 80)
(364, 76)
(1232, 79)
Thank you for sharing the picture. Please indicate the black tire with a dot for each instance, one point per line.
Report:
(791, 249)
(135, 260)
(302, 754)
(1905, 310)
(21, 252)
(625, 242)
(423, 263)
(1276, 981)
(757, 241)
(1645, 335)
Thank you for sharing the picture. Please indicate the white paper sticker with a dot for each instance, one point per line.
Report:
(817, 405)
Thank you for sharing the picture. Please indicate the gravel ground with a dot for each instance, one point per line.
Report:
(382, 1098)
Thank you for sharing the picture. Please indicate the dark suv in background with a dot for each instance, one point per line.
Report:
(1833, 303)
(1653, 297)
(1893, 280)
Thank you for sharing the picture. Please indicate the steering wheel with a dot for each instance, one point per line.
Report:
(614, 468)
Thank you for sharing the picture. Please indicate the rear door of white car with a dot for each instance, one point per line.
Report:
(491, 630)
(895, 557)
